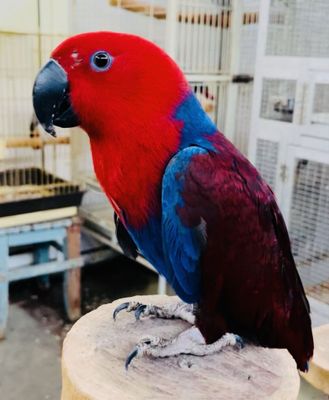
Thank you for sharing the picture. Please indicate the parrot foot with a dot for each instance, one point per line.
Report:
(168, 311)
(189, 342)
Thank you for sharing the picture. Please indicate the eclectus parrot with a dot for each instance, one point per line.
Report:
(184, 197)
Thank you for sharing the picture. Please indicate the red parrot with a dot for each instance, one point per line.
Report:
(183, 195)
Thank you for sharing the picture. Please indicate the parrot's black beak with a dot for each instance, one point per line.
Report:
(51, 98)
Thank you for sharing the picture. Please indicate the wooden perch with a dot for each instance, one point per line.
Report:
(140, 7)
(214, 19)
(318, 374)
(95, 349)
(222, 18)
(34, 142)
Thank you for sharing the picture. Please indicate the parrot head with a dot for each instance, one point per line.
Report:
(106, 80)
(124, 92)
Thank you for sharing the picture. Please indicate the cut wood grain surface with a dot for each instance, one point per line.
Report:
(95, 349)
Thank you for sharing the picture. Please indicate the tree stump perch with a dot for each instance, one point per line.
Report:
(95, 350)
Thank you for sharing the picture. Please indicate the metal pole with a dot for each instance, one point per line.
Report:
(232, 95)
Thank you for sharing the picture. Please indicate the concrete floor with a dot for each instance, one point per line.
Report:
(29, 360)
(30, 355)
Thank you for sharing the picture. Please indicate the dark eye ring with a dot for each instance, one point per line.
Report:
(101, 60)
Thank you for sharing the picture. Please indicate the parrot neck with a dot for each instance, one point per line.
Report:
(130, 168)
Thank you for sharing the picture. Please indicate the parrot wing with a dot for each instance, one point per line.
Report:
(244, 258)
(182, 243)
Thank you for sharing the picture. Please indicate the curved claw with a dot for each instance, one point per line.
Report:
(121, 307)
(130, 357)
(139, 310)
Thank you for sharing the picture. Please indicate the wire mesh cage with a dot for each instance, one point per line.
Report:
(291, 123)
(308, 212)
(243, 116)
(298, 28)
(267, 160)
(248, 32)
(202, 29)
(320, 106)
(248, 37)
(278, 99)
(309, 227)
(203, 44)
(33, 165)
(212, 96)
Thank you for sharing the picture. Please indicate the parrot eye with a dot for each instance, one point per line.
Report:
(101, 61)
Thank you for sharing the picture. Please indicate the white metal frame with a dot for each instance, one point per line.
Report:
(306, 71)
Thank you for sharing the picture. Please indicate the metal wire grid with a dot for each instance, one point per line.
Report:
(202, 28)
(142, 18)
(203, 44)
(243, 116)
(248, 37)
(247, 59)
(278, 99)
(309, 225)
(213, 98)
(320, 112)
(267, 152)
(23, 154)
(298, 28)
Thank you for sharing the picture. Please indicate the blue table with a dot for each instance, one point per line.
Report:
(64, 235)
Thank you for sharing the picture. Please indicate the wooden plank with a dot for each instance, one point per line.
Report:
(95, 349)
(38, 236)
(38, 216)
(72, 278)
(34, 142)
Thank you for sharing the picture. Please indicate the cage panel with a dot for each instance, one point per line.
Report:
(213, 98)
(248, 37)
(267, 153)
(243, 116)
(278, 99)
(298, 28)
(320, 109)
(202, 41)
(309, 223)
(203, 44)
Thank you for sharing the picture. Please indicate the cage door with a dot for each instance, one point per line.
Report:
(316, 114)
(306, 208)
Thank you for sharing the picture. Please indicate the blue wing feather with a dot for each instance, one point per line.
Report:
(182, 244)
